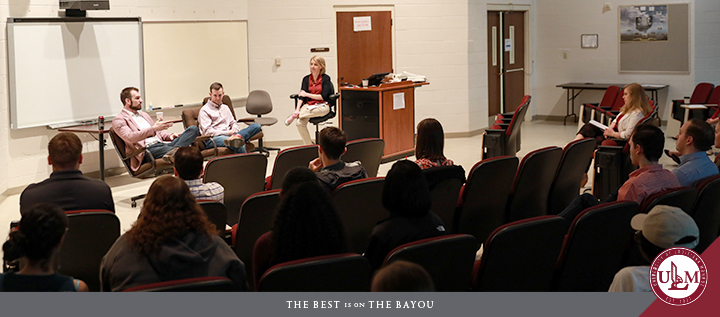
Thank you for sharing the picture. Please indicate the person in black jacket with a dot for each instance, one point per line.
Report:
(314, 96)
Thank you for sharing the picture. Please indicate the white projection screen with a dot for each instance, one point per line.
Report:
(70, 70)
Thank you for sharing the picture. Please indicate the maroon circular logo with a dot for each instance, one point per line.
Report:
(678, 276)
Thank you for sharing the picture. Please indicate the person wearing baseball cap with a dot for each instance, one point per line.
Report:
(662, 228)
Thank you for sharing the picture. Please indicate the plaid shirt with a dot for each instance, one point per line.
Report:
(647, 181)
(209, 191)
(426, 163)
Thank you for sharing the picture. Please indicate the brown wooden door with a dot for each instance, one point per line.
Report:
(514, 60)
(363, 53)
(506, 60)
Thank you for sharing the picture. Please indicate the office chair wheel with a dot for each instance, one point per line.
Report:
(133, 204)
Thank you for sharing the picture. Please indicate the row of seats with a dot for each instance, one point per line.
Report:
(609, 107)
(704, 93)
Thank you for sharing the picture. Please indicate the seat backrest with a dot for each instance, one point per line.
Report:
(90, 235)
(574, 163)
(241, 174)
(216, 213)
(448, 259)
(609, 97)
(190, 117)
(595, 247)
(227, 101)
(287, 159)
(347, 272)
(519, 116)
(619, 101)
(196, 284)
(258, 102)
(520, 256)
(119, 144)
(531, 186)
(145, 170)
(714, 98)
(485, 195)
(359, 204)
(368, 151)
(707, 212)
(257, 216)
(701, 93)
(445, 183)
(681, 197)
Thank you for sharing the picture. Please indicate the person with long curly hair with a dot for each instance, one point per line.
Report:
(35, 244)
(172, 239)
(306, 225)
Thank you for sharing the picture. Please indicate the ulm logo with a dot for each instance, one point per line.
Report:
(678, 276)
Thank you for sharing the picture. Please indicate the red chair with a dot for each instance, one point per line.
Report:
(257, 216)
(707, 212)
(714, 99)
(368, 151)
(700, 95)
(347, 272)
(588, 111)
(198, 284)
(531, 188)
(520, 256)
(481, 207)
(607, 114)
(681, 197)
(216, 213)
(444, 183)
(359, 204)
(573, 165)
(504, 139)
(448, 259)
(241, 174)
(595, 247)
(90, 235)
(287, 159)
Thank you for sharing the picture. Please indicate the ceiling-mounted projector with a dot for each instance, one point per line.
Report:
(78, 7)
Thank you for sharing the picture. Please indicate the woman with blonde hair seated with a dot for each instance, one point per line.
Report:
(635, 108)
(172, 239)
(315, 91)
(430, 144)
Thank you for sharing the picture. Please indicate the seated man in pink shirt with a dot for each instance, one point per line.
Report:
(216, 120)
(646, 147)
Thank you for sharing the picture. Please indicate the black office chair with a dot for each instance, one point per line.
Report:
(331, 114)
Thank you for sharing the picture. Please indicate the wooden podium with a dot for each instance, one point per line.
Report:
(375, 112)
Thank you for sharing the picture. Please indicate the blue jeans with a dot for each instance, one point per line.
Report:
(246, 134)
(185, 139)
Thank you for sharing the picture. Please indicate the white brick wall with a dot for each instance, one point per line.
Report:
(707, 42)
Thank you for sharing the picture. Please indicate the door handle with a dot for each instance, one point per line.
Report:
(512, 71)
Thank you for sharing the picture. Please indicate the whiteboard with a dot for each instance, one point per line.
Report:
(182, 59)
(69, 70)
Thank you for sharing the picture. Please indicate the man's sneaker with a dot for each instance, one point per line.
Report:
(234, 141)
(169, 157)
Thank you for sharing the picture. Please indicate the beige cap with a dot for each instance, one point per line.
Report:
(664, 226)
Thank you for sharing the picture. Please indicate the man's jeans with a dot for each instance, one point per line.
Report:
(246, 134)
(185, 139)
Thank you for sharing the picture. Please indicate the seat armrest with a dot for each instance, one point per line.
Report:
(202, 138)
(294, 96)
(135, 153)
(335, 96)
(495, 131)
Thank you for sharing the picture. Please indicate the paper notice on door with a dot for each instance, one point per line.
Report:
(362, 24)
(399, 101)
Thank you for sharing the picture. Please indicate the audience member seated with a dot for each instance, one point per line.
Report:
(662, 228)
(216, 120)
(407, 197)
(189, 167)
(330, 169)
(694, 139)
(171, 239)
(635, 108)
(138, 130)
(402, 276)
(35, 244)
(429, 145)
(306, 225)
(67, 187)
(646, 147)
(315, 91)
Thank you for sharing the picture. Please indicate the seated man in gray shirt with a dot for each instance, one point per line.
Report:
(67, 187)
(695, 138)
(330, 170)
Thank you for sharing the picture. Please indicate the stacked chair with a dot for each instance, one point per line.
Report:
(589, 111)
(504, 138)
(700, 95)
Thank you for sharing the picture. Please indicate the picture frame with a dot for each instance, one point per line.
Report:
(589, 41)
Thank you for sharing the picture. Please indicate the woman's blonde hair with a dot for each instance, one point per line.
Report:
(638, 100)
(320, 60)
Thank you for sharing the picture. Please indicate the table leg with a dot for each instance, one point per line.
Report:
(101, 151)
(570, 104)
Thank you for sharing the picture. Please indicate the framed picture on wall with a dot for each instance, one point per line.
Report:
(643, 23)
(589, 41)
